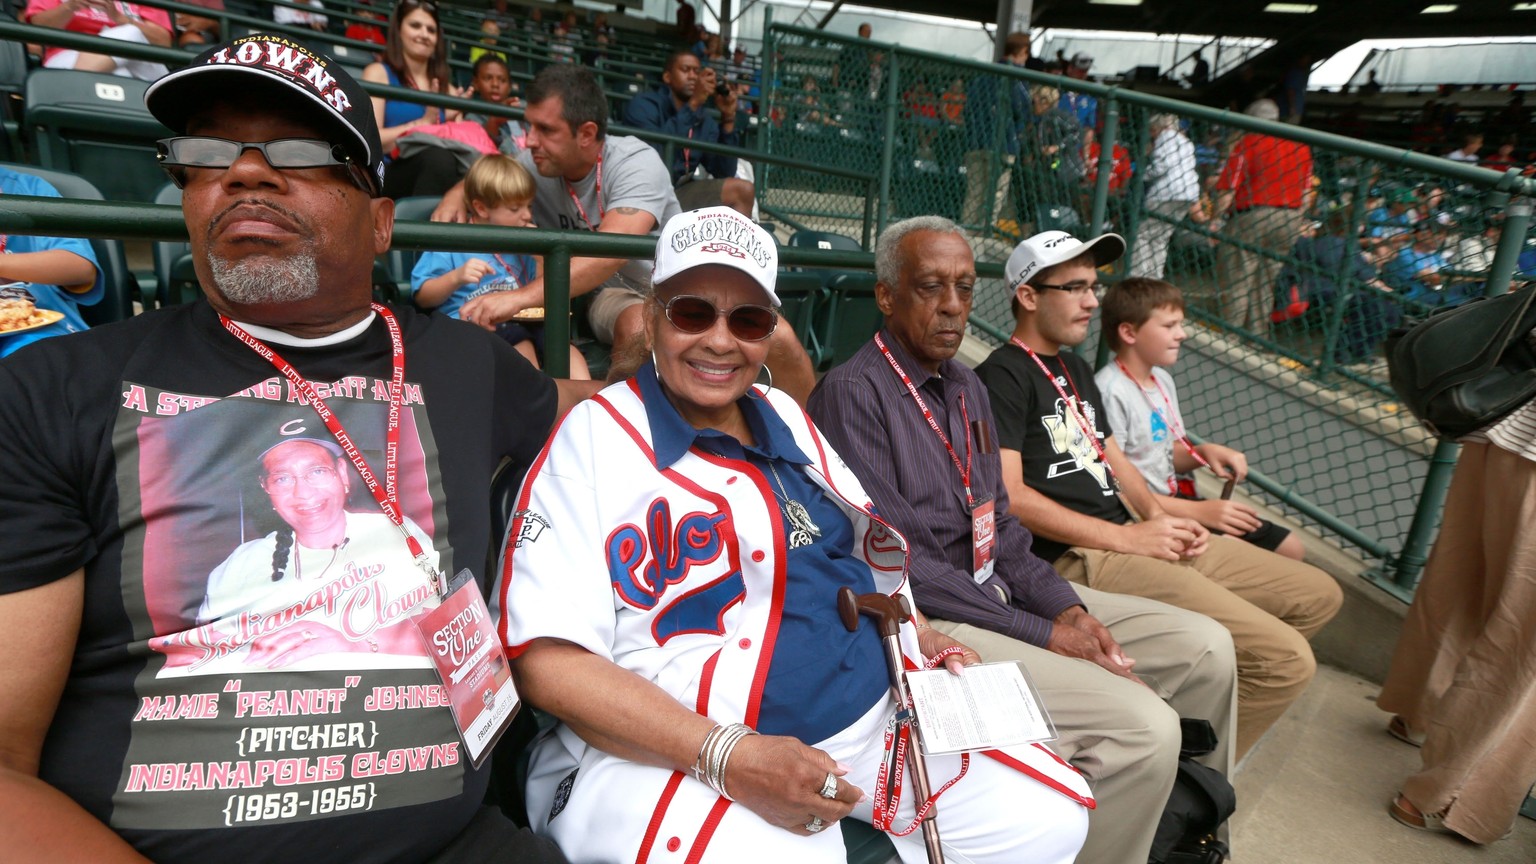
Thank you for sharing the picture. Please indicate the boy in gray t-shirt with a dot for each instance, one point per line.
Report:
(1143, 320)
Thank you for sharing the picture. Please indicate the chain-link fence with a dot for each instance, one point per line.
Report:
(1296, 251)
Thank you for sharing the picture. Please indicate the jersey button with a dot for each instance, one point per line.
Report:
(745, 644)
(758, 555)
(731, 479)
(674, 844)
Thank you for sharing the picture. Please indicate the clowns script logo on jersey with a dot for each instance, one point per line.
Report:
(289, 60)
(643, 564)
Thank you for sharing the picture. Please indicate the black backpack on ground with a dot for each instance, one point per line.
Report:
(1200, 802)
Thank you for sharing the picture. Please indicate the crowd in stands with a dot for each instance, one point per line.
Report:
(679, 626)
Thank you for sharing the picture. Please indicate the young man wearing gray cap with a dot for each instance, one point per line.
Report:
(132, 728)
(1061, 466)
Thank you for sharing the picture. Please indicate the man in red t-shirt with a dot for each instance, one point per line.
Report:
(110, 19)
(1267, 184)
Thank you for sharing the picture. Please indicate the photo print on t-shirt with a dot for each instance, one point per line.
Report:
(284, 679)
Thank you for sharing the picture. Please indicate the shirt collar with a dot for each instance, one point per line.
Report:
(672, 436)
(909, 364)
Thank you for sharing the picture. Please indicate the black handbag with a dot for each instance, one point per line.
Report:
(1201, 799)
(1465, 368)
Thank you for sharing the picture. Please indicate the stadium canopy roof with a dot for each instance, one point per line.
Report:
(1330, 22)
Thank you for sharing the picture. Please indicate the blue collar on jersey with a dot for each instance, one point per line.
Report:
(671, 436)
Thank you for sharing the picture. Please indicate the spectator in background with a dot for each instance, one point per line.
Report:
(313, 20)
(369, 31)
(1266, 183)
(1330, 268)
(56, 275)
(1415, 271)
(1080, 105)
(1474, 253)
(415, 56)
(1504, 157)
(193, 31)
(1119, 176)
(109, 19)
(1201, 75)
(953, 101)
(1387, 227)
(811, 110)
(501, 15)
(679, 107)
(986, 184)
(1371, 86)
(1173, 192)
(492, 83)
(1055, 149)
(489, 32)
(1467, 153)
(1293, 89)
(687, 22)
(601, 28)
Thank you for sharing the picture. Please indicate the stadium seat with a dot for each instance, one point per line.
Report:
(852, 317)
(400, 262)
(801, 296)
(175, 279)
(95, 126)
(13, 81)
(120, 286)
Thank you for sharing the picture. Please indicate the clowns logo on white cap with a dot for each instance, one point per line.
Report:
(716, 235)
(289, 59)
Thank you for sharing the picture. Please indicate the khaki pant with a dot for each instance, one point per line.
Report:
(1465, 667)
(1247, 277)
(1270, 604)
(1124, 738)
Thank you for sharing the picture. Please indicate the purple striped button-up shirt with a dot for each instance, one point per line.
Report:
(870, 418)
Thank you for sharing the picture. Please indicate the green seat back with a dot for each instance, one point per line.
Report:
(95, 126)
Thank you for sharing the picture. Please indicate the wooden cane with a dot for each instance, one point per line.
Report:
(888, 615)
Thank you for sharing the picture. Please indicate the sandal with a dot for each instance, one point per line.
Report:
(1404, 812)
(1397, 727)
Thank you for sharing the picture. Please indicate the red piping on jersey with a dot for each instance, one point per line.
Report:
(654, 826)
(706, 831)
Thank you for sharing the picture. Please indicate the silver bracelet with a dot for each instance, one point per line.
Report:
(715, 755)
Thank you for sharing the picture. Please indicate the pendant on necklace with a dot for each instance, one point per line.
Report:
(805, 531)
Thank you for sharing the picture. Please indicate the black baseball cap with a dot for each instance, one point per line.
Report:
(282, 67)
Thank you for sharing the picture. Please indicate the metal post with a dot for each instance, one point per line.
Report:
(888, 145)
(1517, 218)
(768, 87)
(1342, 278)
(1106, 164)
(557, 311)
(870, 192)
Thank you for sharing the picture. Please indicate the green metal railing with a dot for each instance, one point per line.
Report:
(1306, 397)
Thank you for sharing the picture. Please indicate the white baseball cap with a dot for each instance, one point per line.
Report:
(1082, 60)
(1049, 248)
(717, 235)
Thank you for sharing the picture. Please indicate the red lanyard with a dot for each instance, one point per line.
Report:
(965, 470)
(597, 193)
(507, 268)
(387, 495)
(1169, 420)
(1072, 404)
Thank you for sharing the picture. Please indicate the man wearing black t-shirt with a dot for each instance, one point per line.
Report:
(1060, 470)
(132, 726)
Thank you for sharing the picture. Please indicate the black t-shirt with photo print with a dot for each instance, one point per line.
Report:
(1060, 461)
(301, 720)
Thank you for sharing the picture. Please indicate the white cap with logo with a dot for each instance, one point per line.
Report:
(717, 235)
(1049, 248)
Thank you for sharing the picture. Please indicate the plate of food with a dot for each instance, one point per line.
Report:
(21, 317)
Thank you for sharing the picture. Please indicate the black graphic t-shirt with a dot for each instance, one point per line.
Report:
(1060, 460)
(248, 683)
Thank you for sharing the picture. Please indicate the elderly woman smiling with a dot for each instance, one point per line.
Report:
(669, 594)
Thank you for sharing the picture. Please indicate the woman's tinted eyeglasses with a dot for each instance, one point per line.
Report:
(176, 155)
(747, 322)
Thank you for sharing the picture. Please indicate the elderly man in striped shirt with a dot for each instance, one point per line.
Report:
(916, 426)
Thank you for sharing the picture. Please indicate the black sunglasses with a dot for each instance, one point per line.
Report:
(176, 155)
(747, 322)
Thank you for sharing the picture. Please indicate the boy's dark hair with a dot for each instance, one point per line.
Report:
(581, 97)
(487, 59)
(1132, 301)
